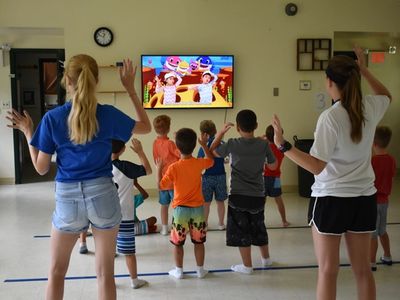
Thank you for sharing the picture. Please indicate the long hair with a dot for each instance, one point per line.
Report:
(82, 71)
(345, 72)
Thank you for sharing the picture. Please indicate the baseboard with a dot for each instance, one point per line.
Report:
(7, 180)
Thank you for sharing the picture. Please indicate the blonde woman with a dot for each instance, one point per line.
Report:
(343, 196)
(80, 132)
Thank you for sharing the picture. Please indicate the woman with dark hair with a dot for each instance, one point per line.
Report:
(343, 195)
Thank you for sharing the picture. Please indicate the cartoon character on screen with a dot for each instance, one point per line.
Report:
(183, 68)
(204, 63)
(205, 89)
(172, 62)
(169, 89)
(194, 65)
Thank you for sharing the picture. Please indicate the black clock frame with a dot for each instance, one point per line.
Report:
(103, 28)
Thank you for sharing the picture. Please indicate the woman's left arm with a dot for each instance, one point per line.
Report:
(41, 161)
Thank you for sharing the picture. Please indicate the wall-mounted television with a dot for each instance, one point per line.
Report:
(187, 81)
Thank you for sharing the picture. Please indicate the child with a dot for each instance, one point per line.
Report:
(142, 226)
(384, 166)
(169, 88)
(214, 178)
(124, 173)
(188, 215)
(205, 88)
(272, 179)
(164, 149)
(245, 225)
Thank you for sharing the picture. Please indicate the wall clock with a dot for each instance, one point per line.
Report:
(103, 36)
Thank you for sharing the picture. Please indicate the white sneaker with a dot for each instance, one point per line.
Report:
(221, 227)
(164, 230)
(266, 262)
(201, 273)
(178, 274)
(242, 269)
(138, 283)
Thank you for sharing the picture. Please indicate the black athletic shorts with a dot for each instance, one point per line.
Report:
(245, 228)
(337, 215)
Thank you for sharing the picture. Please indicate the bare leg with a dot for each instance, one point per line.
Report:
(245, 253)
(61, 245)
(327, 252)
(221, 211)
(105, 241)
(385, 244)
(199, 254)
(178, 256)
(82, 237)
(206, 210)
(374, 249)
(131, 264)
(358, 248)
(164, 214)
(264, 250)
(282, 211)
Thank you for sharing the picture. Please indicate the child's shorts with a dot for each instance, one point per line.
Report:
(245, 228)
(214, 185)
(272, 186)
(141, 227)
(126, 237)
(381, 219)
(337, 215)
(79, 204)
(188, 219)
(165, 197)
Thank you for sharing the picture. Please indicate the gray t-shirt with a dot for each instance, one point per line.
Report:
(248, 156)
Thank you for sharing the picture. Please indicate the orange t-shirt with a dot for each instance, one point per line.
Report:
(166, 150)
(185, 175)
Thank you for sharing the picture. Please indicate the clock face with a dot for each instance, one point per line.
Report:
(103, 36)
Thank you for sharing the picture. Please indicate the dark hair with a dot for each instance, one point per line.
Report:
(162, 124)
(208, 126)
(269, 133)
(383, 135)
(246, 120)
(345, 72)
(185, 140)
(117, 146)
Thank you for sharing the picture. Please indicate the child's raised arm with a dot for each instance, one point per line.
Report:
(219, 136)
(140, 189)
(137, 147)
(127, 74)
(203, 143)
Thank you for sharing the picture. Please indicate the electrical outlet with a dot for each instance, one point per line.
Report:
(6, 104)
(275, 92)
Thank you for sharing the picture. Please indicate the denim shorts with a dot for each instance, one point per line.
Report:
(79, 204)
(272, 186)
(214, 185)
(166, 197)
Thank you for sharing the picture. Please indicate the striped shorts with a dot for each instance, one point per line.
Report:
(141, 227)
(126, 237)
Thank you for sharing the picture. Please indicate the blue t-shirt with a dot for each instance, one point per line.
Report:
(218, 167)
(82, 162)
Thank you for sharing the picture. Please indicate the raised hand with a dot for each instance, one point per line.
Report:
(21, 122)
(159, 163)
(203, 139)
(360, 57)
(226, 127)
(136, 145)
(278, 132)
(127, 73)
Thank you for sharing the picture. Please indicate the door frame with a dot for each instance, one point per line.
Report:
(60, 53)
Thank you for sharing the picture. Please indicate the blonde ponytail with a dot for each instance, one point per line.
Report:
(82, 70)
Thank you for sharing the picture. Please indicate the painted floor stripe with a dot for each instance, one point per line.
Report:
(268, 228)
(277, 268)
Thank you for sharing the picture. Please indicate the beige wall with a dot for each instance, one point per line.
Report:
(257, 32)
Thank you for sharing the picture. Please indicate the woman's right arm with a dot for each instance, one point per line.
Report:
(375, 84)
(127, 74)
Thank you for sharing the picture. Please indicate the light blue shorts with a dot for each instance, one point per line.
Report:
(79, 204)
(166, 197)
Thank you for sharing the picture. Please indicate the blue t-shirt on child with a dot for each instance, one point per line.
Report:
(218, 168)
(82, 162)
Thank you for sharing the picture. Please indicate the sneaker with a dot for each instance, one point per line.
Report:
(201, 273)
(221, 227)
(373, 267)
(266, 262)
(164, 230)
(386, 260)
(83, 249)
(138, 283)
(178, 274)
(242, 269)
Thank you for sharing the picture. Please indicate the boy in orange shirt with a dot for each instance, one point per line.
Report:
(164, 149)
(188, 216)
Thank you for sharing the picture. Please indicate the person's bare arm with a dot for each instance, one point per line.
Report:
(203, 143)
(140, 189)
(219, 137)
(137, 147)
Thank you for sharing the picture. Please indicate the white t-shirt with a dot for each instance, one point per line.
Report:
(348, 172)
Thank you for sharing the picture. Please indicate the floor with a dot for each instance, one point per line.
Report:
(25, 219)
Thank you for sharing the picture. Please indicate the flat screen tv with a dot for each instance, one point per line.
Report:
(187, 81)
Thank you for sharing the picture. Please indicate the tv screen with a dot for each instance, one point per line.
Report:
(187, 81)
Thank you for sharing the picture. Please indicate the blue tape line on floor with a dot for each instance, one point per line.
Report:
(276, 268)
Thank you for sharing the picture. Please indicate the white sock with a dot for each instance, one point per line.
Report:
(177, 273)
(82, 244)
(201, 272)
(138, 283)
(266, 262)
(242, 269)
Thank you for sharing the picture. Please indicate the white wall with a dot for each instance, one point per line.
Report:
(257, 32)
